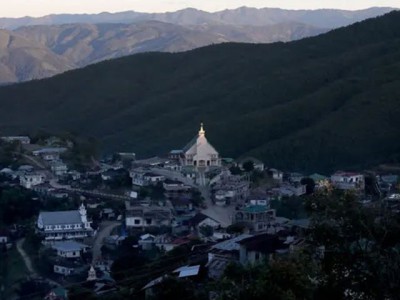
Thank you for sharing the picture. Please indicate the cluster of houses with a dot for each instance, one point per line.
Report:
(177, 215)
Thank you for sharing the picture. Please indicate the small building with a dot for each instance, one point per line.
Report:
(257, 217)
(200, 220)
(59, 225)
(69, 249)
(58, 167)
(151, 216)
(348, 181)
(222, 254)
(29, 180)
(147, 241)
(175, 155)
(25, 140)
(260, 248)
(49, 154)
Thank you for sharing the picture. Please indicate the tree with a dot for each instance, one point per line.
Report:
(248, 166)
(175, 288)
(362, 247)
(309, 183)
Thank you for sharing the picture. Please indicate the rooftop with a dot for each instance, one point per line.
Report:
(231, 244)
(69, 246)
(61, 217)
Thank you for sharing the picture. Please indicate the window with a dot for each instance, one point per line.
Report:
(148, 221)
(137, 221)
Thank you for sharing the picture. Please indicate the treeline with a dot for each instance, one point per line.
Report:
(317, 104)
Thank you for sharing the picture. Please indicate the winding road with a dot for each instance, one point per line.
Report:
(105, 230)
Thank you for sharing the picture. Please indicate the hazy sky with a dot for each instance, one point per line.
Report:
(18, 8)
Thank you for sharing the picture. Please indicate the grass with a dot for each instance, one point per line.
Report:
(15, 272)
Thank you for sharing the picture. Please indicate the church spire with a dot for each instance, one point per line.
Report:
(201, 132)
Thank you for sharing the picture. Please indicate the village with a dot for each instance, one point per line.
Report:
(90, 228)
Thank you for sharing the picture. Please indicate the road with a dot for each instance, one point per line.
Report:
(105, 230)
(223, 215)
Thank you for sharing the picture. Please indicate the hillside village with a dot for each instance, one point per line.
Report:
(91, 229)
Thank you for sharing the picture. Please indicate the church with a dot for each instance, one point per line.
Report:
(199, 153)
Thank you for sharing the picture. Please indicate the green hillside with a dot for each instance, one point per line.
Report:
(317, 104)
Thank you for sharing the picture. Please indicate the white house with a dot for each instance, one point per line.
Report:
(59, 225)
(50, 154)
(63, 270)
(31, 179)
(58, 167)
(200, 153)
(348, 181)
(21, 139)
(69, 249)
(151, 216)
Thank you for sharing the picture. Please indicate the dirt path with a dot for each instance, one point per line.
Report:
(105, 230)
(26, 258)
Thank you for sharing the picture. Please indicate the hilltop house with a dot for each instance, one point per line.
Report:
(59, 225)
(200, 153)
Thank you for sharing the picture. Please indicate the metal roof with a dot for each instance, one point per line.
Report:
(61, 217)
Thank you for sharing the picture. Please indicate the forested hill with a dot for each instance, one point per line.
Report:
(314, 105)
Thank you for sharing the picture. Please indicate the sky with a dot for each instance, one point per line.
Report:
(36, 8)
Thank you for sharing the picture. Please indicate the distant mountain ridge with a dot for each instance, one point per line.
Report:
(107, 36)
(315, 105)
(323, 18)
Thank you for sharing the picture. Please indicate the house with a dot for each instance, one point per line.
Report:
(49, 154)
(4, 237)
(256, 217)
(175, 155)
(69, 249)
(59, 225)
(295, 177)
(58, 293)
(348, 181)
(67, 267)
(25, 168)
(257, 164)
(276, 174)
(181, 205)
(166, 242)
(58, 167)
(261, 247)
(222, 254)
(137, 176)
(147, 241)
(201, 220)
(141, 216)
(20, 139)
(28, 181)
(153, 178)
(141, 177)
(199, 153)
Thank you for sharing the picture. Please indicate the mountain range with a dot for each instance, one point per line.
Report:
(71, 41)
(316, 104)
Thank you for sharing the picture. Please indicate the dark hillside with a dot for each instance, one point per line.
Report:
(317, 104)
